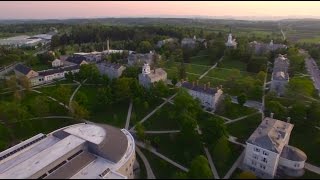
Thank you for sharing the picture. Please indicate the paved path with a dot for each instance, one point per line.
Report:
(212, 67)
(213, 168)
(156, 109)
(151, 149)
(312, 168)
(128, 116)
(150, 174)
(225, 118)
(235, 165)
(74, 92)
(53, 99)
(234, 140)
(240, 118)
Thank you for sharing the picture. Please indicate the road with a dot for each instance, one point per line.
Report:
(150, 174)
(314, 71)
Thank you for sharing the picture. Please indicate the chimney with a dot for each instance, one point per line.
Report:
(208, 84)
(271, 115)
(193, 83)
(288, 119)
(197, 82)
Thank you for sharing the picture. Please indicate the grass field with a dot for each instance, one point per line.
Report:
(168, 145)
(244, 128)
(230, 64)
(201, 60)
(161, 120)
(161, 168)
(237, 111)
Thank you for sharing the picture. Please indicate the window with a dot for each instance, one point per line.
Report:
(265, 153)
(262, 166)
(265, 160)
(255, 156)
(256, 150)
(296, 165)
(254, 163)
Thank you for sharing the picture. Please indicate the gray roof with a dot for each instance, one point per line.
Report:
(59, 70)
(77, 59)
(280, 75)
(110, 65)
(199, 88)
(293, 154)
(23, 69)
(270, 134)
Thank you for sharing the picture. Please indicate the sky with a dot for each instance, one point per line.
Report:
(93, 9)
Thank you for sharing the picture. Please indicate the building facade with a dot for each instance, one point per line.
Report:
(260, 48)
(280, 75)
(268, 154)
(57, 63)
(209, 97)
(138, 59)
(112, 70)
(79, 151)
(148, 76)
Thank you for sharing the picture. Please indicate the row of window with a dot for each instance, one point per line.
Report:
(262, 166)
(263, 159)
(263, 152)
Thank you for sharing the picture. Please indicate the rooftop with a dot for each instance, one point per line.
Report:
(271, 134)
(159, 72)
(89, 148)
(280, 75)
(199, 88)
(23, 69)
(59, 70)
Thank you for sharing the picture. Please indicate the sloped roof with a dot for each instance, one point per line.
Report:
(23, 69)
(199, 88)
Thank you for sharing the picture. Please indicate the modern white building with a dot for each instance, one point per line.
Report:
(148, 76)
(57, 63)
(112, 70)
(280, 76)
(268, 154)
(231, 43)
(79, 151)
(209, 97)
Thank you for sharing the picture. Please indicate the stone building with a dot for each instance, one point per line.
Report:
(148, 76)
(280, 76)
(112, 70)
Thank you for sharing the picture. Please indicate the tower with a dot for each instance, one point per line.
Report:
(146, 69)
(230, 39)
(108, 44)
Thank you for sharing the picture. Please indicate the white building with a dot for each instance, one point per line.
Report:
(51, 74)
(79, 151)
(112, 70)
(231, 43)
(57, 63)
(268, 154)
(280, 76)
(209, 97)
(148, 77)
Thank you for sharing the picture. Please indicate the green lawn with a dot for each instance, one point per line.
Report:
(51, 91)
(223, 167)
(140, 112)
(229, 64)
(244, 128)
(201, 60)
(222, 73)
(168, 145)
(161, 168)
(191, 68)
(315, 39)
(161, 119)
(237, 111)
(307, 138)
(115, 114)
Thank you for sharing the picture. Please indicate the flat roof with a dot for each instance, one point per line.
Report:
(88, 132)
(37, 162)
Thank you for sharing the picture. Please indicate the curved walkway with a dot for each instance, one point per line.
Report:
(150, 174)
(128, 116)
(74, 92)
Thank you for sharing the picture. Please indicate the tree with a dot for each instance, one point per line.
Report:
(185, 104)
(160, 89)
(246, 175)
(242, 99)
(82, 98)
(78, 112)
(199, 168)
(261, 75)
(90, 72)
(313, 113)
(180, 175)
(144, 47)
(104, 96)
(140, 131)
(298, 112)
(121, 89)
(300, 86)
(12, 83)
(174, 80)
(213, 129)
(146, 105)
(277, 108)
(132, 72)
(69, 76)
(221, 151)
(63, 92)
(182, 72)
(24, 81)
(40, 106)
